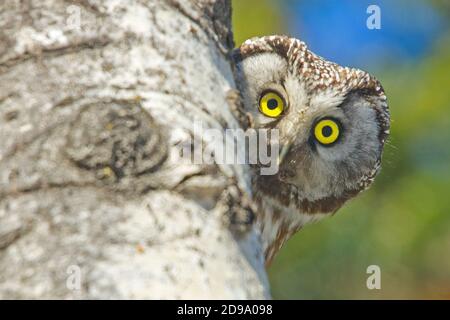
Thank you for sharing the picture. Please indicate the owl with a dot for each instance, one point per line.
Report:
(332, 123)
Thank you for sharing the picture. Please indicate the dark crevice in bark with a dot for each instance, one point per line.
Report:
(6, 66)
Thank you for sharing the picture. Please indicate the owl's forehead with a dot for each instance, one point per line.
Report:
(316, 73)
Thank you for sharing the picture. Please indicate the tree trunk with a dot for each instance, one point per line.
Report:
(96, 98)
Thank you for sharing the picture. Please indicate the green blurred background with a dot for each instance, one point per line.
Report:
(402, 223)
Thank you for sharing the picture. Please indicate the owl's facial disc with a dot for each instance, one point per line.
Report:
(332, 122)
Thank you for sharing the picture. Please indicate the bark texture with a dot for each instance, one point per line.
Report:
(95, 99)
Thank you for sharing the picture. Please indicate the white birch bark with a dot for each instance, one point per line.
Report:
(95, 98)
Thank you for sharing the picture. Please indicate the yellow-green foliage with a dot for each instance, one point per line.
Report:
(253, 18)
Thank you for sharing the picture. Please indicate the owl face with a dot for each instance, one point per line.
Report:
(332, 122)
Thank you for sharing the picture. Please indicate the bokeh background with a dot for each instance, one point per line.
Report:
(402, 224)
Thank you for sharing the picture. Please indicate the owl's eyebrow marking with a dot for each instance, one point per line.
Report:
(368, 91)
(358, 92)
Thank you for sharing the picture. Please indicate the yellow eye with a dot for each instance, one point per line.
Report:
(271, 104)
(326, 131)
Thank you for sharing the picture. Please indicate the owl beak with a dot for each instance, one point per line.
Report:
(284, 151)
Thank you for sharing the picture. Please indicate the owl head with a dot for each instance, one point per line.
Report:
(332, 123)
